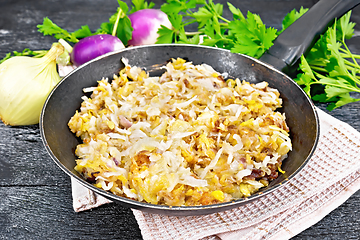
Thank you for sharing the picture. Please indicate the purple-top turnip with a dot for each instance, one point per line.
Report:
(93, 46)
(146, 23)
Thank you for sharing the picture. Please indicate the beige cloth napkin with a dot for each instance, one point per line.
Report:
(328, 180)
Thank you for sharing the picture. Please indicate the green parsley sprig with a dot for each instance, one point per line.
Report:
(331, 65)
(50, 28)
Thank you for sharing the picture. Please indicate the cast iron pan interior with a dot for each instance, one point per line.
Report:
(65, 99)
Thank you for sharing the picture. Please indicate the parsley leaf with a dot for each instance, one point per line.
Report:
(346, 28)
(50, 28)
(124, 30)
(202, 16)
(341, 101)
(237, 14)
(83, 32)
(291, 17)
(188, 40)
(177, 6)
(165, 35)
(140, 4)
(105, 28)
(251, 35)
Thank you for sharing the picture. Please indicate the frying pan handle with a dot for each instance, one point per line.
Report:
(303, 33)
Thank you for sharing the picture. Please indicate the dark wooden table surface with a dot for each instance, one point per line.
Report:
(35, 195)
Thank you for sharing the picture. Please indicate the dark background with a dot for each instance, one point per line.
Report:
(35, 195)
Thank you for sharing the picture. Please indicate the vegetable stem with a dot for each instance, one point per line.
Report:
(346, 55)
(351, 55)
(117, 22)
(318, 68)
(189, 22)
(351, 64)
(224, 19)
(192, 33)
(336, 85)
(224, 25)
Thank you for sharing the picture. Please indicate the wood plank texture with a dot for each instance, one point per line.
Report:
(35, 195)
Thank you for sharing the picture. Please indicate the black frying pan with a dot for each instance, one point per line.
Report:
(300, 112)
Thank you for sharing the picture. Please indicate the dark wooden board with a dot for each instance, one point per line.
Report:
(35, 195)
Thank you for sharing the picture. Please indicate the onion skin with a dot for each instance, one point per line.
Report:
(146, 23)
(93, 46)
